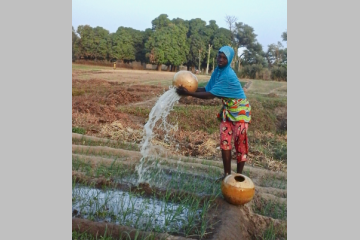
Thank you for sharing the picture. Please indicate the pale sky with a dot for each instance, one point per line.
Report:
(268, 18)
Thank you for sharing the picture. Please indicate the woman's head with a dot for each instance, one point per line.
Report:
(221, 60)
(224, 56)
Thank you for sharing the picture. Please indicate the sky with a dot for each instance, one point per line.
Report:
(268, 18)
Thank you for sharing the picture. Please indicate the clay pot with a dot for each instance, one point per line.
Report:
(186, 79)
(237, 189)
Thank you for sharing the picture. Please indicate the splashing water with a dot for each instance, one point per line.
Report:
(160, 111)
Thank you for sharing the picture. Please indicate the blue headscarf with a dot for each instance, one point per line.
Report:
(224, 82)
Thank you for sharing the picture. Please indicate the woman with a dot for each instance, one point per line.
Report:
(235, 114)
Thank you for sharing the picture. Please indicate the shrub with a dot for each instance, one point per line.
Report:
(279, 73)
(250, 71)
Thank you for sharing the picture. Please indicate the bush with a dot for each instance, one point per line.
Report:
(251, 71)
(257, 71)
(279, 73)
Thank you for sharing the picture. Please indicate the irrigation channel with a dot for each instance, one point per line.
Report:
(132, 195)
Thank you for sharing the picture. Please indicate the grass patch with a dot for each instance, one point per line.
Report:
(269, 144)
(274, 233)
(272, 180)
(202, 84)
(192, 118)
(77, 92)
(116, 170)
(137, 111)
(103, 154)
(160, 83)
(78, 130)
(157, 174)
(86, 236)
(280, 152)
(134, 209)
(88, 67)
(264, 87)
(113, 144)
(270, 208)
(263, 114)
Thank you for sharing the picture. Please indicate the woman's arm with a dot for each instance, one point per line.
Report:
(200, 89)
(198, 94)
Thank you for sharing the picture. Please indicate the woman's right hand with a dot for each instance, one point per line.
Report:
(182, 91)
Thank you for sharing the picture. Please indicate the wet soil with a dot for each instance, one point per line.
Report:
(229, 221)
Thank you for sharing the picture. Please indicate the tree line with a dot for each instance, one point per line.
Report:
(176, 42)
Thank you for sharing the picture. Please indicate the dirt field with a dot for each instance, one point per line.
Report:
(114, 105)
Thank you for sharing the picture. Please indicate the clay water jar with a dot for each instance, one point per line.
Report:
(186, 79)
(237, 189)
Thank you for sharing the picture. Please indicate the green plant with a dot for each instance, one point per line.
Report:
(271, 208)
(274, 233)
(78, 130)
(272, 180)
(87, 236)
(269, 233)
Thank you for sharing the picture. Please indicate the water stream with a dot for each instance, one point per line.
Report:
(128, 209)
(142, 212)
(157, 120)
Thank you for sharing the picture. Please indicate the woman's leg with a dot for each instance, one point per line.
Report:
(240, 167)
(226, 157)
(226, 134)
(241, 145)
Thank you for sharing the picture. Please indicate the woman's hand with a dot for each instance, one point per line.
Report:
(201, 94)
(182, 91)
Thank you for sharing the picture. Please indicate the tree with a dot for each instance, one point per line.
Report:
(93, 43)
(276, 55)
(122, 45)
(138, 43)
(167, 43)
(244, 36)
(222, 37)
(253, 61)
(210, 31)
(161, 21)
(231, 21)
(102, 43)
(208, 59)
(180, 21)
(75, 43)
(177, 53)
(254, 54)
(87, 45)
(146, 36)
(196, 47)
(197, 41)
(277, 59)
